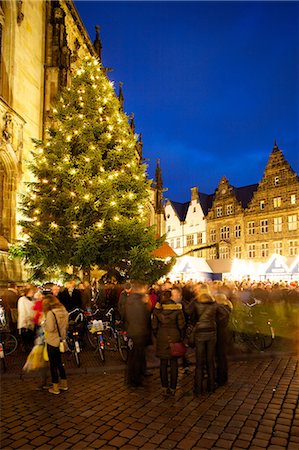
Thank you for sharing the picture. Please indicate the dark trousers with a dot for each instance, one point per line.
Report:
(56, 366)
(136, 361)
(164, 364)
(27, 339)
(205, 357)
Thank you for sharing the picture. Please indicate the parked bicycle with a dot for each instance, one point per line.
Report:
(75, 333)
(256, 333)
(8, 342)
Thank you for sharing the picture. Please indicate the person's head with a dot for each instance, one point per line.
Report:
(50, 302)
(176, 294)
(166, 296)
(205, 298)
(38, 295)
(55, 290)
(29, 290)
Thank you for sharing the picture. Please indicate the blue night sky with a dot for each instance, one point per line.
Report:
(212, 84)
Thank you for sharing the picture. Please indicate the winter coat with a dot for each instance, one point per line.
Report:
(72, 301)
(168, 325)
(51, 330)
(25, 313)
(204, 316)
(137, 316)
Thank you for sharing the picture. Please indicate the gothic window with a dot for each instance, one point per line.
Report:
(264, 226)
(292, 222)
(277, 224)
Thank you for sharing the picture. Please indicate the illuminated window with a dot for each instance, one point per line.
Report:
(219, 211)
(213, 235)
(277, 202)
(262, 204)
(224, 233)
(264, 250)
(293, 199)
(229, 210)
(237, 230)
(190, 239)
(251, 228)
(278, 248)
(264, 226)
(251, 251)
(224, 253)
(293, 248)
(292, 222)
(238, 252)
(277, 224)
(276, 181)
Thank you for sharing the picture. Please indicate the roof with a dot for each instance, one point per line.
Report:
(180, 209)
(165, 251)
(244, 194)
(206, 201)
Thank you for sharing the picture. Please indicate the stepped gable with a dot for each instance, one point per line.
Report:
(279, 179)
(180, 209)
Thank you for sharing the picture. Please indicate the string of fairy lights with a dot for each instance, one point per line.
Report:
(79, 108)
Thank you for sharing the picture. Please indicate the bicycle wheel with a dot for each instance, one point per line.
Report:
(10, 343)
(110, 340)
(270, 336)
(77, 358)
(122, 347)
(257, 341)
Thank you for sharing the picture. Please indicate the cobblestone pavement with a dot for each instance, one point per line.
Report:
(257, 409)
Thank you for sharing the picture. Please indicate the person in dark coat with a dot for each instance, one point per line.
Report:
(225, 307)
(204, 317)
(137, 323)
(168, 325)
(70, 297)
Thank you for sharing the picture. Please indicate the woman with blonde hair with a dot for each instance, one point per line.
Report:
(55, 331)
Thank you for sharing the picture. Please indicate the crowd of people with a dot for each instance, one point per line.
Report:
(196, 314)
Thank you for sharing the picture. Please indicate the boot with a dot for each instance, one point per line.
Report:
(54, 389)
(63, 385)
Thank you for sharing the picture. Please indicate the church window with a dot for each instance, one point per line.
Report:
(264, 226)
(292, 222)
(277, 224)
(251, 251)
(262, 204)
(251, 228)
(213, 235)
(264, 250)
(278, 248)
(237, 230)
(277, 202)
(219, 211)
(293, 248)
(293, 199)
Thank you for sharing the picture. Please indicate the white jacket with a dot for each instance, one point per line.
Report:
(25, 313)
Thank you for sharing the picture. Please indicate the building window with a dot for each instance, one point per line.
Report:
(262, 204)
(276, 181)
(168, 216)
(277, 224)
(251, 251)
(229, 210)
(293, 248)
(237, 231)
(178, 242)
(190, 239)
(293, 199)
(277, 202)
(224, 253)
(264, 226)
(172, 243)
(264, 250)
(212, 253)
(278, 248)
(213, 235)
(219, 211)
(292, 222)
(168, 228)
(199, 238)
(194, 209)
(251, 228)
(224, 233)
(238, 252)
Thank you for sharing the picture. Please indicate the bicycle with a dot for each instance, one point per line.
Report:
(74, 334)
(8, 342)
(245, 329)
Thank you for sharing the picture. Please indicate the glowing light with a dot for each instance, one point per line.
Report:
(116, 218)
(54, 189)
(36, 211)
(99, 224)
(100, 110)
(45, 181)
(73, 194)
(53, 225)
(87, 159)
(113, 203)
(69, 138)
(86, 197)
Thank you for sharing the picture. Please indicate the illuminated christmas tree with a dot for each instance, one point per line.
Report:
(87, 203)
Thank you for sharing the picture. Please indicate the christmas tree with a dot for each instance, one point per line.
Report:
(87, 203)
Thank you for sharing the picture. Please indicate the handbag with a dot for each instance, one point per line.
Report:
(177, 349)
(62, 343)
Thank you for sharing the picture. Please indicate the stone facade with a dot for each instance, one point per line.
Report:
(42, 43)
